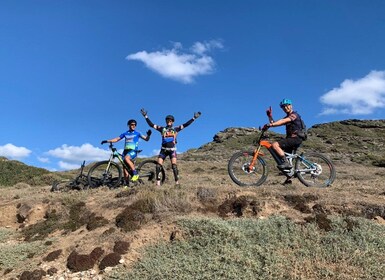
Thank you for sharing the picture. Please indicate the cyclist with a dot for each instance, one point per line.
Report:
(168, 148)
(293, 123)
(130, 151)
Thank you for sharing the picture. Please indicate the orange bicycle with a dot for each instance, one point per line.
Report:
(249, 168)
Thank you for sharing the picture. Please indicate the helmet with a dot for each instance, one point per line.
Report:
(285, 102)
(131, 121)
(170, 117)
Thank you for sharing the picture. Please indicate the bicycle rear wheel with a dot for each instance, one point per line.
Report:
(315, 170)
(147, 172)
(240, 172)
(105, 173)
(62, 186)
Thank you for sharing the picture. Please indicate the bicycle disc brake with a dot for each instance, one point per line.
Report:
(317, 170)
(246, 168)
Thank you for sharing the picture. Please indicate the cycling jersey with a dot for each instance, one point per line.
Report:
(169, 136)
(131, 139)
(169, 133)
(294, 126)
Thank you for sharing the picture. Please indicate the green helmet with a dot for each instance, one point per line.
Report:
(285, 102)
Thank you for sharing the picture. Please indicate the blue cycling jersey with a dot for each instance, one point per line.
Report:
(131, 139)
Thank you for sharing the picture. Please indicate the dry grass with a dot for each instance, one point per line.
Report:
(205, 191)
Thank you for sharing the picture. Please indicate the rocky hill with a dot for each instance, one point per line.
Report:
(103, 233)
(359, 141)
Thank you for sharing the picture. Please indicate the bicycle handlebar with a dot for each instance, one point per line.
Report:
(111, 147)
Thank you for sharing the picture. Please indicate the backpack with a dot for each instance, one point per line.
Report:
(302, 132)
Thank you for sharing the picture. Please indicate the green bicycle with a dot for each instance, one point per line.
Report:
(109, 173)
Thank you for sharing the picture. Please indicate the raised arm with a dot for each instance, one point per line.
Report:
(147, 137)
(149, 122)
(190, 121)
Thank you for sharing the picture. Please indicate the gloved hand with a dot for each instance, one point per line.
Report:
(144, 112)
(197, 114)
(104, 142)
(149, 132)
(269, 112)
(266, 127)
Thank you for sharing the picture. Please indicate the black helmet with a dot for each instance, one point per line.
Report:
(131, 121)
(170, 117)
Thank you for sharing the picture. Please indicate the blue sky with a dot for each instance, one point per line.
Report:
(73, 72)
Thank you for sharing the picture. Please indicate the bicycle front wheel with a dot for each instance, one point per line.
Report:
(105, 173)
(315, 170)
(147, 170)
(241, 173)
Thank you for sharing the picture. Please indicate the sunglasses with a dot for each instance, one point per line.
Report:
(134, 124)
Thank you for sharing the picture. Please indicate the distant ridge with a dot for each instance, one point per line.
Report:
(13, 172)
(359, 141)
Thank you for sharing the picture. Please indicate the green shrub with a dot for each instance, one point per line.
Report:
(275, 248)
(13, 255)
(5, 234)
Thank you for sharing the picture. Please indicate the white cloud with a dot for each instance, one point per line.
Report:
(154, 152)
(72, 156)
(43, 159)
(179, 65)
(68, 166)
(359, 97)
(11, 151)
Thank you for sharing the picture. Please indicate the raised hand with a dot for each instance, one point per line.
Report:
(269, 112)
(197, 115)
(149, 132)
(144, 112)
(266, 127)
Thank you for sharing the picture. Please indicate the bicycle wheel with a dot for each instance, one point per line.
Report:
(240, 172)
(315, 170)
(147, 172)
(62, 186)
(105, 173)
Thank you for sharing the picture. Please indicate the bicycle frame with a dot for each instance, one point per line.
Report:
(310, 166)
(268, 146)
(290, 156)
(116, 154)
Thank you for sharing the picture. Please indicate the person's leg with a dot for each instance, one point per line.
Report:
(129, 160)
(160, 161)
(277, 146)
(175, 170)
(278, 149)
(174, 166)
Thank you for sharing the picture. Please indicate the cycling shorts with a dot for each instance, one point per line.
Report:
(289, 144)
(129, 152)
(167, 153)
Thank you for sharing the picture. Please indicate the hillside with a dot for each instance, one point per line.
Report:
(207, 227)
(353, 140)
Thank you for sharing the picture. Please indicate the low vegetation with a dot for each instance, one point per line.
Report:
(275, 248)
(207, 227)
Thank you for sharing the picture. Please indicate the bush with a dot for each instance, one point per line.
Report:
(12, 255)
(275, 248)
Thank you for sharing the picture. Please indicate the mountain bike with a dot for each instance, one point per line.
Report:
(109, 173)
(249, 168)
(80, 182)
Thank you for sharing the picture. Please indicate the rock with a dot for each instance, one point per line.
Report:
(23, 213)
